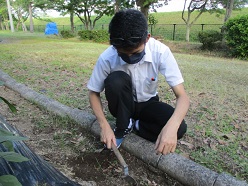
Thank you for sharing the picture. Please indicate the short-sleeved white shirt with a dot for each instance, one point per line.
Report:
(144, 74)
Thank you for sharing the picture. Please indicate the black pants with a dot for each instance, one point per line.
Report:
(152, 114)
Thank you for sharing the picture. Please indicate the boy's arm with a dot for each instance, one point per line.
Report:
(107, 134)
(167, 139)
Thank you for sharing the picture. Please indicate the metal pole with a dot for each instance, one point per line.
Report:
(10, 17)
(174, 31)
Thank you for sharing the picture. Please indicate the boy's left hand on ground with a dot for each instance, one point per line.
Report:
(167, 140)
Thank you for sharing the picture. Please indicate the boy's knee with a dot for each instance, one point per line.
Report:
(182, 130)
(117, 80)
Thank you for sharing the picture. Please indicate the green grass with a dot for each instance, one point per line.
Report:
(217, 87)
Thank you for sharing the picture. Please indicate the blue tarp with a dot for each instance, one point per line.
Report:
(51, 28)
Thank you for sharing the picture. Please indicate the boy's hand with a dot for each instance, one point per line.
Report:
(108, 136)
(167, 140)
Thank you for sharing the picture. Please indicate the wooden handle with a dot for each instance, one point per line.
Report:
(118, 155)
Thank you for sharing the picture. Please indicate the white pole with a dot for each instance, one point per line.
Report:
(10, 17)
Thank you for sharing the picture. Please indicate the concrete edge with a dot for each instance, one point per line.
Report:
(182, 169)
(83, 118)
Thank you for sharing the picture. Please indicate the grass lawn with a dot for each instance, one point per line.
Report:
(217, 119)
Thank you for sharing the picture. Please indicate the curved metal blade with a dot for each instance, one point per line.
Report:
(130, 180)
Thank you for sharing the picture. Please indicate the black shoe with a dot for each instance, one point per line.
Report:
(121, 134)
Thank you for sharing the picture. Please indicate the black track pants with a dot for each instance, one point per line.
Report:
(152, 114)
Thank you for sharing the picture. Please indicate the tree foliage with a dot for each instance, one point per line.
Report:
(226, 7)
(3, 15)
(84, 10)
(194, 5)
(211, 6)
(20, 13)
(120, 4)
(237, 36)
(146, 5)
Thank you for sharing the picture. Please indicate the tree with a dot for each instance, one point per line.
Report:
(21, 17)
(10, 16)
(193, 5)
(20, 13)
(84, 10)
(3, 15)
(145, 5)
(120, 4)
(65, 7)
(31, 23)
(228, 6)
(210, 6)
(28, 8)
(87, 8)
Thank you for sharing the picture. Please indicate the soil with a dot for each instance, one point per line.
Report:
(82, 163)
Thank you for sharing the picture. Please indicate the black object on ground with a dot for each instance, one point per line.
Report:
(34, 172)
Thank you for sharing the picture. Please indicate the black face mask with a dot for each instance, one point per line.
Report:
(135, 58)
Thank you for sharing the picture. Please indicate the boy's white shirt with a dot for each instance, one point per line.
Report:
(144, 74)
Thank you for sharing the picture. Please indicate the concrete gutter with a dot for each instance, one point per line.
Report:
(178, 167)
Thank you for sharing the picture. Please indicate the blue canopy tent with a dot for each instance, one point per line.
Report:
(51, 28)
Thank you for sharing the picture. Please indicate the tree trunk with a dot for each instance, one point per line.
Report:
(229, 8)
(188, 21)
(187, 32)
(31, 29)
(18, 13)
(6, 25)
(117, 6)
(144, 9)
(1, 23)
(10, 16)
(24, 28)
(17, 25)
(72, 21)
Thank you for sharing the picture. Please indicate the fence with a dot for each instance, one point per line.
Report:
(176, 32)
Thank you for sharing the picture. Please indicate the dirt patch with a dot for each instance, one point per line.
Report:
(74, 151)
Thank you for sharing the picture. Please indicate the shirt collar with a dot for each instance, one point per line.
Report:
(148, 55)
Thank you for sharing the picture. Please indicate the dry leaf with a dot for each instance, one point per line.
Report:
(212, 146)
(222, 142)
(186, 155)
(201, 94)
(82, 138)
(189, 145)
(237, 126)
(66, 132)
(206, 141)
(153, 183)
(75, 142)
(118, 170)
